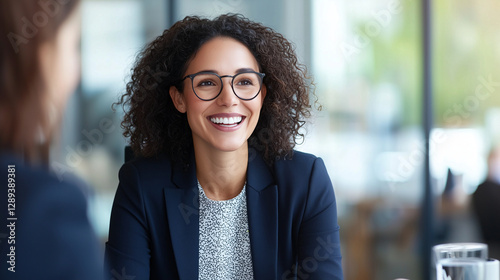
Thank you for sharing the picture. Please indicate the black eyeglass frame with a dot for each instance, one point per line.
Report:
(191, 76)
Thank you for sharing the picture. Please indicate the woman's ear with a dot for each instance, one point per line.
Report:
(177, 99)
(263, 91)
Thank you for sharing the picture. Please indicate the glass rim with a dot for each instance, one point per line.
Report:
(464, 246)
(193, 76)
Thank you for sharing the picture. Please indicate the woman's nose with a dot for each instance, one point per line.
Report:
(227, 96)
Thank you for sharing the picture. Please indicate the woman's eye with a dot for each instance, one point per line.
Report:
(206, 83)
(245, 83)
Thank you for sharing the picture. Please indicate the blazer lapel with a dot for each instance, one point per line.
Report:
(183, 219)
(262, 201)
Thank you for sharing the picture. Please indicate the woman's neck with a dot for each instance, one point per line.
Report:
(221, 174)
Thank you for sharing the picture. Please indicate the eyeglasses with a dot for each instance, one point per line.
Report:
(208, 85)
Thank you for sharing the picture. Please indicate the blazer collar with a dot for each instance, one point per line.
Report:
(183, 218)
(259, 175)
(184, 176)
(262, 203)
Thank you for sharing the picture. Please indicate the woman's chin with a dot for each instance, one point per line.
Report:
(231, 146)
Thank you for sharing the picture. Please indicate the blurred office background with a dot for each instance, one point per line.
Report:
(366, 60)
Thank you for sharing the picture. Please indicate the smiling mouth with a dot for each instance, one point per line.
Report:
(227, 122)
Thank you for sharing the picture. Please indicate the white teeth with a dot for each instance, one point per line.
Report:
(226, 121)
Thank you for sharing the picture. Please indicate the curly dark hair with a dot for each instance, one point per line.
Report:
(155, 126)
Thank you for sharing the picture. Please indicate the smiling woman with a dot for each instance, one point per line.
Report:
(212, 119)
(208, 197)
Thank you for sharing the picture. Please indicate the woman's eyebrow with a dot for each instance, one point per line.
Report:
(245, 70)
(240, 70)
(208, 71)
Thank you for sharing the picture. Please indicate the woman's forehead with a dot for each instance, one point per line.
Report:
(222, 55)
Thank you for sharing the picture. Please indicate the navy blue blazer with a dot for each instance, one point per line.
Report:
(292, 220)
(49, 235)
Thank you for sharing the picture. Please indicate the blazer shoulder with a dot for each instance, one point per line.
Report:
(147, 175)
(299, 169)
(298, 160)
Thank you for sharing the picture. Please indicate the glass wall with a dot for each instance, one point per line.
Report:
(367, 64)
(366, 60)
(466, 85)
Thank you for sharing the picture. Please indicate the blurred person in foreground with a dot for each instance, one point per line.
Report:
(45, 232)
(486, 204)
(217, 191)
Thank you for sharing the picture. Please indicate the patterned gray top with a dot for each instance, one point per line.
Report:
(224, 248)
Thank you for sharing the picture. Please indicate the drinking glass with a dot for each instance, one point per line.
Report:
(460, 261)
(461, 269)
(460, 250)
